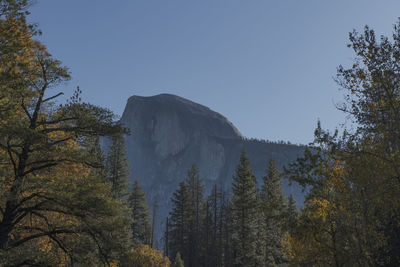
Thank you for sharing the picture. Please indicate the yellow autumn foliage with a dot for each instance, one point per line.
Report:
(145, 256)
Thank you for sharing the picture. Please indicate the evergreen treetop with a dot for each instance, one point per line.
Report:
(140, 226)
(244, 208)
(180, 219)
(273, 210)
(117, 165)
(271, 191)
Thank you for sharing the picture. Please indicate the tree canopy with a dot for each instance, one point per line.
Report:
(352, 210)
(54, 207)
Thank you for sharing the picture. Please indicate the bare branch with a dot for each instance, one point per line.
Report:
(26, 110)
(57, 121)
(52, 97)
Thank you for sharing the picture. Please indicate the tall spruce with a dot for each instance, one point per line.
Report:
(291, 214)
(141, 230)
(211, 229)
(244, 214)
(226, 231)
(273, 210)
(261, 237)
(117, 165)
(217, 230)
(179, 222)
(206, 235)
(196, 191)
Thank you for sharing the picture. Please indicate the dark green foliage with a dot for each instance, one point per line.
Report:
(261, 242)
(292, 214)
(216, 231)
(207, 231)
(244, 212)
(55, 207)
(117, 165)
(224, 233)
(273, 209)
(178, 262)
(187, 218)
(351, 212)
(180, 219)
(140, 226)
(95, 157)
(196, 190)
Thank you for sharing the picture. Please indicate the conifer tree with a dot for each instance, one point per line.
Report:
(261, 237)
(226, 231)
(196, 191)
(211, 229)
(217, 230)
(178, 262)
(206, 235)
(140, 216)
(292, 214)
(244, 214)
(180, 222)
(96, 159)
(273, 210)
(55, 209)
(117, 165)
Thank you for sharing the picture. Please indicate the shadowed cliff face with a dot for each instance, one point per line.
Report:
(170, 133)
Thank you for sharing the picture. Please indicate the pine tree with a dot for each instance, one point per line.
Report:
(140, 216)
(226, 231)
(291, 214)
(180, 222)
(211, 230)
(96, 157)
(261, 237)
(206, 235)
(55, 210)
(244, 214)
(219, 247)
(178, 262)
(196, 191)
(117, 165)
(273, 210)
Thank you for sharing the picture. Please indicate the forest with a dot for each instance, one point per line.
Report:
(65, 202)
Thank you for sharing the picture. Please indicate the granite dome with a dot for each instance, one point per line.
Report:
(170, 133)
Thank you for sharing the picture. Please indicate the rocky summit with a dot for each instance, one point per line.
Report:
(170, 133)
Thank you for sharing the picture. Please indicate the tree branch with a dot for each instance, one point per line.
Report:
(38, 235)
(33, 169)
(52, 97)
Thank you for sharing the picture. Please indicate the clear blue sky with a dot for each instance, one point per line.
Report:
(267, 65)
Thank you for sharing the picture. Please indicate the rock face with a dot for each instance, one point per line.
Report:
(170, 133)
